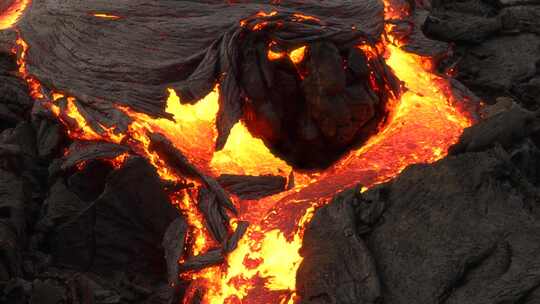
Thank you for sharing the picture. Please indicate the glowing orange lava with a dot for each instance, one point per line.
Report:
(10, 16)
(424, 122)
(297, 55)
(106, 16)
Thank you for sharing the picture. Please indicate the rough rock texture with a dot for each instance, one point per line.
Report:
(497, 50)
(337, 265)
(309, 112)
(161, 42)
(252, 187)
(463, 230)
(466, 226)
(132, 216)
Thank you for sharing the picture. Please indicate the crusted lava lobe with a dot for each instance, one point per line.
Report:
(309, 89)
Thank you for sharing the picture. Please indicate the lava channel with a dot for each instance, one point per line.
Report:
(424, 122)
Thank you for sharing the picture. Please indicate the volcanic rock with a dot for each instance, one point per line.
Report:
(176, 159)
(215, 217)
(252, 187)
(173, 244)
(505, 129)
(462, 230)
(86, 151)
(337, 267)
(131, 217)
(470, 233)
(171, 33)
(69, 225)
(497, 45)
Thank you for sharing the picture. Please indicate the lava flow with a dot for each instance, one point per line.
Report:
(13, 13)
(424, 122)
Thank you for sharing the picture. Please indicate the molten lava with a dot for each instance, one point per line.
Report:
(13, 13)
(106, 16)
(424, 122)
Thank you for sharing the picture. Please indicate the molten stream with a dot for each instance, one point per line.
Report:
(423, 124)
(13, 13)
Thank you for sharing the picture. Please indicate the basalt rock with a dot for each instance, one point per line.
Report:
(131, 217)
(462, 230)
(497, 48)
(337, 266)
(252, 187)
(470, 233)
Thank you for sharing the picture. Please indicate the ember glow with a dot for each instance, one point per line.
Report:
(10, 16)
(424, 122)
(106, 16)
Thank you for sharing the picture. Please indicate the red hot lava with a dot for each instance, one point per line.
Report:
(424, 122)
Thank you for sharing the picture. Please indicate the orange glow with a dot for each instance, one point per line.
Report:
(13, 13)
(118, 161)
(56, 96)
(266, 15)
(106, 16)
(297, 55)
(272, 55)
(33, 84)
(275, 55)
(423, 123)
(301, 17)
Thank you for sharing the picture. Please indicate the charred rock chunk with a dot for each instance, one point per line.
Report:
(252, 187)
(69, 226)
(173, 244)
(216, 218)
(87, 151)
(464, 230)
(337, 266)
(131, 217)
(287, 79)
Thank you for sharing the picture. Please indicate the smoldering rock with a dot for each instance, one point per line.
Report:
(232, 241)
(252, 187)
(215, 217)
(176, 159)
(173, 244)
(85, 151)
(204, 260)
(418, 43)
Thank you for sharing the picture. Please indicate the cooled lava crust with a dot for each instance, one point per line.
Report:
(309, 89)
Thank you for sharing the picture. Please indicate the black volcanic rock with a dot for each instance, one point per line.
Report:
(337, 267)
(69, 225)
(497, 47)
(131, 217)
(252, 187)
(465, 229)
